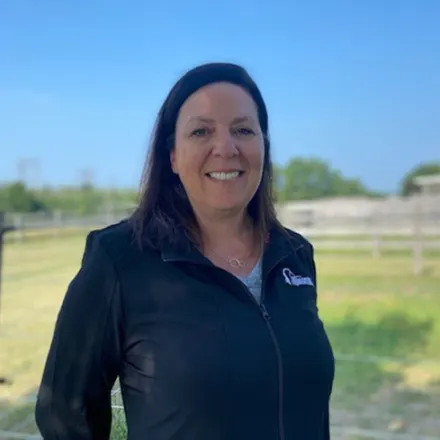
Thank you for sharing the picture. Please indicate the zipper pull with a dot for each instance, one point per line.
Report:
(265, 313)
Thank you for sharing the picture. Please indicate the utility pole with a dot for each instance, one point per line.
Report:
(3, 229)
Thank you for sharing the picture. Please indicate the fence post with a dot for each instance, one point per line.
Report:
(3, 229)
(18, 226)
(377, 244)
(376, 236)
(417, 236)
(57, 220)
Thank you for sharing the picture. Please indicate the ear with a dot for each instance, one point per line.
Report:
(173, 161)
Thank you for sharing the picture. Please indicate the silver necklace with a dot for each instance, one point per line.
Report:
(232, 261)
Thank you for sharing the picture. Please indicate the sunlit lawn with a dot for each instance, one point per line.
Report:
(371, 308)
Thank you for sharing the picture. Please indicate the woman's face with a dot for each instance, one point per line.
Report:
(219, 148)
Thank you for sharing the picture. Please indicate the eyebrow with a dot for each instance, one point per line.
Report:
(210, 120)
(242, 119)
(200, 119)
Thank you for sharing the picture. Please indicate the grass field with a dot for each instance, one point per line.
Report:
(384, 324)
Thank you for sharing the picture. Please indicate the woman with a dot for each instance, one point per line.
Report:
(202, 303)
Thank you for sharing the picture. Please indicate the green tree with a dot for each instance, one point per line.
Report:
(90, 200)
(408, 186)
(16, 197)
(278, 180)
(82, 200)
(313, 178)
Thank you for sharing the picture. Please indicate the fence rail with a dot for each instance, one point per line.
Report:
(395, 225)
(375, 232)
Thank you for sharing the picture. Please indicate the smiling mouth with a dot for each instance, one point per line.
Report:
(222, 175)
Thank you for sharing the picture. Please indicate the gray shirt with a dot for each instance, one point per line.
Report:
(253, 281)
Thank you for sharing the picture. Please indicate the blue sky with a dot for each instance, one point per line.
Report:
(354, 82)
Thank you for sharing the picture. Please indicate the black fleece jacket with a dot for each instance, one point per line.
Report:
(197, 357)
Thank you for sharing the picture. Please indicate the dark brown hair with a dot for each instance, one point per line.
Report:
(164, 216)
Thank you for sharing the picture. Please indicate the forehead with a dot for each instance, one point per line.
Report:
(219, 101)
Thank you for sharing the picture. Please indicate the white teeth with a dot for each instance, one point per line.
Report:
(224, 176)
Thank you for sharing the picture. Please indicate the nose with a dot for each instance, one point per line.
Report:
(224, 145)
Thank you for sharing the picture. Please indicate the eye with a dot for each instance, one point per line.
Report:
(244, 131)
(200, 132)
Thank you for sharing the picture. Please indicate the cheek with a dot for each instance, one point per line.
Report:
(255, 156)
(188, 162)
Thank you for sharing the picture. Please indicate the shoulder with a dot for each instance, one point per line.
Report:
(117, 244)
(115, 239)
(298, 240)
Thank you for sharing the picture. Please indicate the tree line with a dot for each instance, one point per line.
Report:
(299, 179)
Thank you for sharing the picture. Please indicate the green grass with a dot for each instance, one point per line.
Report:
(119, 428)
(371, 307)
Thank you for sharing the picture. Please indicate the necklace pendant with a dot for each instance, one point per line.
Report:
(235, 263)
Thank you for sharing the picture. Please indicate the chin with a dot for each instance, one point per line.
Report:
(229, 207)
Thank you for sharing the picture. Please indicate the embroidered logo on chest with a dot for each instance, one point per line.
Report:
(296, 280)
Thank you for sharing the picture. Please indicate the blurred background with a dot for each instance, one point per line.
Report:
(353, 92)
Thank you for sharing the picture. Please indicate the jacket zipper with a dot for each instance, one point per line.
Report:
(267, 318)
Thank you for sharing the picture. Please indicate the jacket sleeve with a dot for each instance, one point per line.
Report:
(311, 253)
(327, 424)
(327, 410)
(74, 398)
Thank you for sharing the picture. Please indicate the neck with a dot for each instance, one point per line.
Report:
(220, 232)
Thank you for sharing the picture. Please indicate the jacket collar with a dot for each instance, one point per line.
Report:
(280, 244)
(190, 255)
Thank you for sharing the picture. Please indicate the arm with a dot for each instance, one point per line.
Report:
(313, 265)
(327, 425)
(327, 435)
(74, 399)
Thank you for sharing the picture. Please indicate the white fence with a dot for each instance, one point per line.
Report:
(393, 216)
(371, 225)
